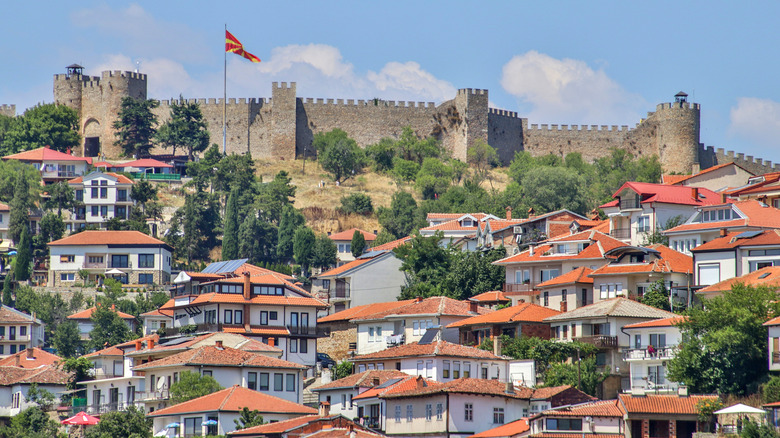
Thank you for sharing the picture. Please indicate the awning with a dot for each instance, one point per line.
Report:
(114, 271)
(739, 408)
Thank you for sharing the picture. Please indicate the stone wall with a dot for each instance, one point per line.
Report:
(8, 110)
(337, 344)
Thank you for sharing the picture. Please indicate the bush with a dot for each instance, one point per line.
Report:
(357, 203)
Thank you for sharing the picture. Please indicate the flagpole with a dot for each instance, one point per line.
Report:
(224, 104)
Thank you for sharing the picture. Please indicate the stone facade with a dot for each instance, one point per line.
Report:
(336, 345)
(282, 127)
(8, 110)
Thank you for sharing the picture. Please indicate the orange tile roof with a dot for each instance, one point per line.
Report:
(465, 386)
(276, 427)
(159, 312)
(768, 276)
(769, 184)
(757, 214)
(39, 358)
(435, 348)
(346, 267)
(575, 435)
(613, 307)
(100, 238)
(666, 194)
(491, 296)
(4, 207)
(600, 244)
(404, 383)
(428, 306)
(341, 432)
(662, 404)
(662, 322)
(366, 379)
(599, 408)
(145, 162)
(258, 330)
(87, 314)
(361, 311)
(675, 179)
(119, 178)
(524, 312)
(730, 241)
(506, 430)
(118, 349)
(43, 375)
(391, 245)
(265, 278)
(45, 154)
(579, 275)
(9, 315)
(347, 235)
(453, 225)
(211, 355)
(280, 300)
(670, 261)
(233, 399)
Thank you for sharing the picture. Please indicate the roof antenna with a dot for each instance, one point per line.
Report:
(138, 66)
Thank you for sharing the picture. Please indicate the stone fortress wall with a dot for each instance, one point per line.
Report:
(282, 126)
(8, 110)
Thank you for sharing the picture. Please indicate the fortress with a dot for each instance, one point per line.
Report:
(282, 126)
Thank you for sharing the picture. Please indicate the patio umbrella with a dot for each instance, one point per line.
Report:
(209, 423)
(739, 408)
(81, 419)
(114, 271)
(172, 425)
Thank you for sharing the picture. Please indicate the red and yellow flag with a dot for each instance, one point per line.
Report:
(233, 45)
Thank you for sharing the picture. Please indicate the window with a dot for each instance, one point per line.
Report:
(23, 331)
(456, 370)
(709, 273)
(466, 369)
(95, 259)
(273, 315)
(566, 332)
(522, 276)
(498, 415)
(439, 411)
(416, 328)
(263, 318)
(293, 345)
(67, 258)
(145, 278)
(103, 192)
(564, 295)
(445, 373)
(79, 195)
(549, 274)
(119, 261)
(397, 413)
(120, 212)
(564, 424)
(546, 299)
(428, 412)
(643, 224)
(264, 381)
(192, 426)
(207, 373)
(409, 413)
(68, 276)
(656, 375)
(251, 381)
(278, 382)
(420, 365)
(94, 192)
(290, 382)
(468, 412)
(146, 260)
(637, 341)
(303, 346)
(760, 264)
(121, 195)
(228, 317)
(378, 332)
(239, 316)
(370, 334)
(104, 211)
(429, 369)
(658, 340)
(351, 405)
(294, 319)
(484, 371)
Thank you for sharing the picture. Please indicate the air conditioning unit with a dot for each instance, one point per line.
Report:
(517, 230)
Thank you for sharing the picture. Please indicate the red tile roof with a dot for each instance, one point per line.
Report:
(280, 300)
(361, 311)
(465, 386)
(758, 215)
(39, 358)
(144, 162)
(45, 154)
(600, 243)
(769, 184)
(579, 275)
(662, 404)
(428, 306)
(613, 307)
(366, 379)
(453, 225)
(506, 430)
(87, 314)
(524, 312)
(670, 261)
(4, 207)
(159, 312)
(673, 179)
(264, 278)
(346, 267)
(100, 238)
(730, 241)
(277, 427)
(662, 322)
(599, 408)
(391, 245)
(119, 178)
(211, 355)
(435, 348)
(404, 383)
(266, 330)
(119, 349)
(768, 276)
(43, 375)
(347, 235)
(493, 296)
(233, 399)
(660, 193)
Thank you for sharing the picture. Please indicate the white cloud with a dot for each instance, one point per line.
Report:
(756, 120)
(399, 79)
(568, 91)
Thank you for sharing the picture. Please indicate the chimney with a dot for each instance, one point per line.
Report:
(151, 343)
(418, 300)
(137, 345)
(564, 305)
(247, 287)
(594, 214)
(497, 345)
(219, 344)
(17, 360)
(472, 306)
(723, 198)
(508, 213)
(247, 326)
(531, 212)
(30, 354)
(324, 409)
(695, 193)
(531, 250)
(723, 232)
(510, 389)
(271, 341)
(375, 381)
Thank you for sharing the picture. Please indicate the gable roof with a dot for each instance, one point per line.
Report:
(391, 245)
(347, 235)
(733, 240)
(662, 322)
(598, 408)
(505, 430)
(768, 276)
(87, 314)
(756, 214)
(600, 243)
(427, 306)
(45, 154)
(30, 358)
(614, 307)
(579, 275)
(524, 312)
(361, 311)
(677, 179)
(767, 182)
(662, 404)
(669, 261)
(211, 355)
(466, 385)
(109, 238)
(43, 375)
(397, 385)
(435, 348)
(365, 259)
(366, 379)
(491, 297)
(119, 178)
(9, 314)
(144, 162)
(233, 399)
(660, 193)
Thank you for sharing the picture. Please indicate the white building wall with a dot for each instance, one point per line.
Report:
(376, 283)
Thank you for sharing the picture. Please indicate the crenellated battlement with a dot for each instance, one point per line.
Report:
(283, 85)
(580, 128)
(466, 91)
(501, 112)
(218, 102)
(712, 156)
(676, 105)
(367, 103)
(123, 74)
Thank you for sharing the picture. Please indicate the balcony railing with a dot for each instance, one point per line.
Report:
(528, 288)
(156, 176)
(664, 353)
(776, 357)
(601, 341)
(106, 373)
(648, 387)
(121, 265)
(627, 204)
(395, 340)
(620, 233)
(150, 396)
(94, 265)
(309, 331)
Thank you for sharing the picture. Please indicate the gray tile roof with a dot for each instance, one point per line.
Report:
(612, 307)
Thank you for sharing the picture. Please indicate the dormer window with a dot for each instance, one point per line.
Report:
(467, 223)
(723, 214)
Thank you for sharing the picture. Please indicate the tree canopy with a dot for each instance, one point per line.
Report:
(48, 124)
(192, 385)
(186, 128)
(338, 154)
(135, 126)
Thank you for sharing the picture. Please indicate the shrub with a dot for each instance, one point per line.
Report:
(357, 203)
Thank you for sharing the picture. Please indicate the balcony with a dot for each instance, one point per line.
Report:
(620, 233)
(521, 288)
(776, 357)
(95, 265)
(601, 341)
(395, 340)
(637, 354)
(66, 174)
(630, 204)
(308, 331)
(120, 265)
(106, 373)
(153, 396)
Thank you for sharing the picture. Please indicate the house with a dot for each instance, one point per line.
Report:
(661, 416)
(340, 394)
(130, 257)
(716, 178)
(713, 221)
(342, 337)
(55, 166)
(765, 188)
(408, 323)
(19, 331)
(441, 361)
(491, 299)
(641, 209)
(601, 418)
(455, 227)
(768, 276)
(157, 319)
(188, 282)
(229, 366)
(101, 196)
(266, 307)
(601, 324)
(735, 255)
(343, 241)
(547, 260)
(371, 407)
(525, 319)
(85, 324)
(19, 372)
(515, 429)
(634, 269)
(371, 278)
(223, 407)
(773, 328)
(576, 284)
(325, 425)
(517, 233)
(145, 166)
(653, 344)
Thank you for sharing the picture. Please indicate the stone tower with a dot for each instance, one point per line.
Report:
(472, 105)
(677, 135)
(97, 100)
(283, 120)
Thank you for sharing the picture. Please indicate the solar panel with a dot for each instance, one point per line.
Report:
(748, 234)
(371, 254)
(764, 275)
(176, 341)
(390, 382)
(226, 266)
(429, 335)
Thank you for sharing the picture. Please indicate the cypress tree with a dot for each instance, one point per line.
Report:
(20, 209)
(8, 299)
(291, 219)
(22, 270)
(358, 243)
(230, 236)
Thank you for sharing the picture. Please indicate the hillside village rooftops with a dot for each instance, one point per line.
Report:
(767, 276)
(110, 239)
(741, 239)
(467, 386)
(347, 235)
(366, 379)
(10, 315)
(524, 312)
(45, 154)
(493, 296)
(361, 311)
(234, 399)
(435, 348)
(668, 260)
(579, 275)
(597, 242)
(768, 182)
(598, 408)
(613, 307)
(664, 194)
(400, 384)
(42, 375)
(212, 355)
(428, 306)
(753, 214)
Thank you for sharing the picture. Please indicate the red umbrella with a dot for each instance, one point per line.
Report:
(81, 419)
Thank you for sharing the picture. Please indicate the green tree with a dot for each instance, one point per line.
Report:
(247, 418)
(434, 178)
(770, 391)
(358, 244)
(357, 203)
(79, 368)
(61, 197)
(303, 247)
(131, 423)
(20, 210)
(425, 263)
(186, 128)
(725, 343)
(8, 299)
(109, 329)
(338, 154)
(49, 124)
(67, 340)
(32, 422)
(410, 147)
(274, 196)
(583, 375)
(658, 236)
(52, 227)
(482, 158)
(257, 240)
(41, 397)
(290, 221)
(325, 252)
(342, 369)
(10, 173)
(548, 189)
(192, 385)
(657, 296)
(382, 154)
(142, 192)
(401, 218)
(760, 429)
(135, 126)
(230, 235)
(473, 272)
(383, 237)
(405, 170)
(23, 262)
(194, 227)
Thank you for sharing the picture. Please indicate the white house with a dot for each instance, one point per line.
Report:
(23, 369)
(5, 220)
(773, 326)
(735, 255)
(342, 392)
(602, 418)
(18, 331)
(102, 196)
(55, 166)
(131, 257)
(343, 241)
(653, 344)
(157, 319)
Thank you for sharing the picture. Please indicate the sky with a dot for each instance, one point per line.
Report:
(555, 62)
